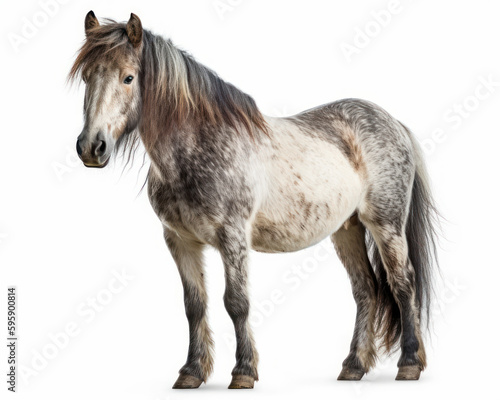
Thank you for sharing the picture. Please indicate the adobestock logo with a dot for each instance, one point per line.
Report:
(32, 25)
(71, 161)
(86, 312)
(460, 111)
(292, 279)
(363, 36)
(222, 7)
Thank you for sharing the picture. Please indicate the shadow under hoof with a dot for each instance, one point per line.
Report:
(241, 382)
(350, 374)
(408, 373)
(187, 382)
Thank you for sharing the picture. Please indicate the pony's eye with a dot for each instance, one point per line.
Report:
(128, 80)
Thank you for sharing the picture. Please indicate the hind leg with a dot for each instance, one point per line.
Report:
(393, 248)
(349, 242)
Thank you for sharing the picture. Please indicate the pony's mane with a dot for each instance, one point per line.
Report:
(177, 92)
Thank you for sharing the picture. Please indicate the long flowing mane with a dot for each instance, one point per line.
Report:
(177, 92)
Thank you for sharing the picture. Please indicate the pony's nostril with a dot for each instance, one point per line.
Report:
(78, 148)
(100, 149)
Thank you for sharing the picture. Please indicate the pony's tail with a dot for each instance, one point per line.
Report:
(421, 235)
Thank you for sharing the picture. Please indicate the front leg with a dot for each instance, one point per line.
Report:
(188, 255)
(234, 248)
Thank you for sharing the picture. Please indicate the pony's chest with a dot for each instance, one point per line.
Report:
(167, 200)
(189, 210)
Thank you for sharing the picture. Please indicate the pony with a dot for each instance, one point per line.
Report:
(224, 175)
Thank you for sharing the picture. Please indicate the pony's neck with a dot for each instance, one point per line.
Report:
(178, 93)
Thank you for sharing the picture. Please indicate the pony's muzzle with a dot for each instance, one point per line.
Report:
(94, 154)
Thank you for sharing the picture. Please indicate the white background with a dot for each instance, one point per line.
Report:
(64, 229)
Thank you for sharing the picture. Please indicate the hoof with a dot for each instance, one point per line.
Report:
(350, 374)
(241, 382)
(408, 373)
(187, 382)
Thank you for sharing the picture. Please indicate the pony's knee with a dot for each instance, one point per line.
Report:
(236, 303)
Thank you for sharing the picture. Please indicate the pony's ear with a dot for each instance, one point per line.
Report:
(90, 21)
(134, 30)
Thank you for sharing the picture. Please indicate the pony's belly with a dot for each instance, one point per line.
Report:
(280, 239)
(295, 230)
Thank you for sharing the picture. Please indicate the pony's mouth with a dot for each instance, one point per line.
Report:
(97, 165)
